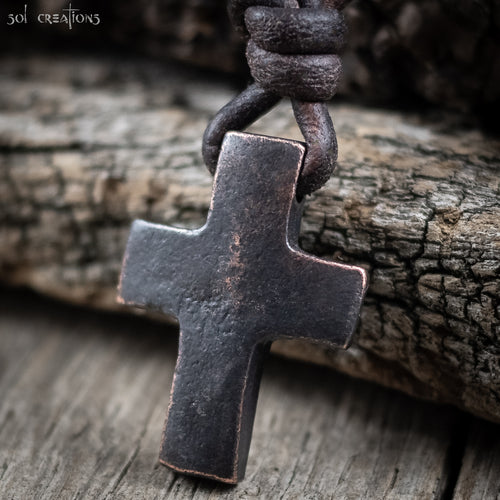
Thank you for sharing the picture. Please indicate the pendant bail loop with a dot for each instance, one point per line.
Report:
(292, 52)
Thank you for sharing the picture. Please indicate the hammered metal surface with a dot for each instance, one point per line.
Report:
(236, 284)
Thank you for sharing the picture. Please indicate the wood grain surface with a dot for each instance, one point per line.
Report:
(84, 395)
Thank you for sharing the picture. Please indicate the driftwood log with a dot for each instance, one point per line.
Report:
(442, 52)
(87, 145)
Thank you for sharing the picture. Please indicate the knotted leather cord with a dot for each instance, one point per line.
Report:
(292, 52)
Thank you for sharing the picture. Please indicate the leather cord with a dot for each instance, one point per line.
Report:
(292, 51)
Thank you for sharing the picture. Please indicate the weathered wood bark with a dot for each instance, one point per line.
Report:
(87, 146)
(84, 398)
(443, 52)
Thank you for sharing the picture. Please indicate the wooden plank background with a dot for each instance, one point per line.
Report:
(83, 396)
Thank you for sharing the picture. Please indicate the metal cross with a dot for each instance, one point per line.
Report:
(236, 284)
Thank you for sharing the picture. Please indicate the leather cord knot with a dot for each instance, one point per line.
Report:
(292, 52)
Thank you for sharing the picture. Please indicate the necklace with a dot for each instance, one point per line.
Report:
(241, 281)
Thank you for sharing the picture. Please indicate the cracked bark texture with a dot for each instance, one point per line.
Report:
(87, 145)
(442, 52)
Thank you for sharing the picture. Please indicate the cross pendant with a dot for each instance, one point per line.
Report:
(236, 284)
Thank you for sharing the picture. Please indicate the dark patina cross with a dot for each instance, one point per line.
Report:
(236, 284)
